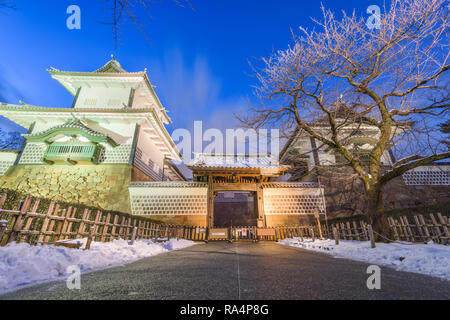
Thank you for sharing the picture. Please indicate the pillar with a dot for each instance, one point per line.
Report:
(260, 205)
(210, 219)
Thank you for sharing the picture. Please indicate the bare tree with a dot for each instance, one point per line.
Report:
(126, 11)
(394, 78)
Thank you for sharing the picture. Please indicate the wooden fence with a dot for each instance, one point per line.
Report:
(415, 228)
(27, 224)
(57, 224)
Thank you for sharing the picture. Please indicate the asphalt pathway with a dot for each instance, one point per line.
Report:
(242, 270)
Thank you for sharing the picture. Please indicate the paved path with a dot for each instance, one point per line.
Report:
(241, 271)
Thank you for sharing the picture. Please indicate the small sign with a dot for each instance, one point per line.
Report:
(218, 234)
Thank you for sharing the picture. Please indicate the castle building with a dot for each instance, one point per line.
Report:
(344, 192)
(89, 153)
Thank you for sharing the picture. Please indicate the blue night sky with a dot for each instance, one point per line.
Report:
(198, 59)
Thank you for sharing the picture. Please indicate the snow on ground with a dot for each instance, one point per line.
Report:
(22, 265)
(431, 259)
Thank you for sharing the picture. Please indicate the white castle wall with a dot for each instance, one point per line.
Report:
(98, 97)
(292, 201)
(7, 159)
(168, 200)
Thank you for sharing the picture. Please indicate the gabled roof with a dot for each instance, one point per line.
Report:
(111, 70)
(112, 66)
(71, 127)
(234, 161)
(167, 184)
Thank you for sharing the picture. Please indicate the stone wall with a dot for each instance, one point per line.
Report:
(102, 186)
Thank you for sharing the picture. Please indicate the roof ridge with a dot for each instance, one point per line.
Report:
(112, 64)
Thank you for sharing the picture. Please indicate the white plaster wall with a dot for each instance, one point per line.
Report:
(141, 101)
(428, 175)
(168, 200)
(100, 97)
(6, 160)
(292, 201)
(149, 150)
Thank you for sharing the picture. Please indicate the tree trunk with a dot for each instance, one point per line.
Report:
(376, 214)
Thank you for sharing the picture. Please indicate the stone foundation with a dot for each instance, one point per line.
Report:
(101, 186)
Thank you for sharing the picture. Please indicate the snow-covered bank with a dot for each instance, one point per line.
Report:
(23, 265)
(431, 259)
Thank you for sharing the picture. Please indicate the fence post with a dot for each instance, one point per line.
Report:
(133, 236)
(17, 226)
(106, 227)
(2, 229)
(372, 239)
(355, 227)
(320, 228)
(436, 228)
(364, 230)
(336, 236)
(312, 235)
(444, 226)
(425, 227)
(90, 237)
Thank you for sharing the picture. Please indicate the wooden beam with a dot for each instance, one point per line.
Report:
(234, 187)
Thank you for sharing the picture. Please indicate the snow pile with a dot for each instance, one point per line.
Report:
(22, 264)
(431, 259)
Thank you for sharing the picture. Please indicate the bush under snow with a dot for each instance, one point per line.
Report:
(431, 259)
(23, 265)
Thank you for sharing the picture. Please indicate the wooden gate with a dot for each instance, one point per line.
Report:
(244, 233)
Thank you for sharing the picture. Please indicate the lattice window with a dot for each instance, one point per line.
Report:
(90, 102)
(440, 177)
(292, 204)
(169, 204)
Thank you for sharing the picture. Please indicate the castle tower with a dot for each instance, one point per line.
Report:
(89, 153)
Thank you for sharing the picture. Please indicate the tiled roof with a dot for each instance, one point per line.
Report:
(28, 108)
(168, 184)
(71, 127)
(233, 161)
(290, 185)
(71, 124)
(111, 66)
